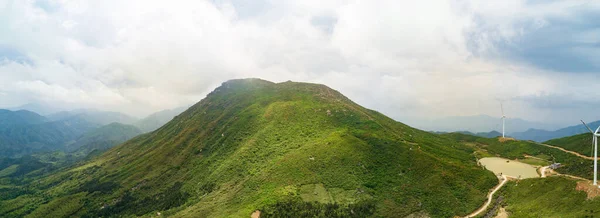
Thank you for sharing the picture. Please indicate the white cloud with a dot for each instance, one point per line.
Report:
(408, 59)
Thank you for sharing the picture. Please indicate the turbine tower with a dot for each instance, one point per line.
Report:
(595, 146)
(503, 118)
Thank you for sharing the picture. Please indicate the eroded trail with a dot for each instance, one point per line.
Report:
(490, 197)
(570, 152)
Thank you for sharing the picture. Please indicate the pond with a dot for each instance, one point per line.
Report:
(509, 167)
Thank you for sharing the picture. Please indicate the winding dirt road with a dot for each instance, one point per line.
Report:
(490, 197)
(543, 175)
(570, 152)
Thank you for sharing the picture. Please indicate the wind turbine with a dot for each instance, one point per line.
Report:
(503, 118)
(595, 144)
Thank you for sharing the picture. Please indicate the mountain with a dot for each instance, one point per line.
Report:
(581, 143)
(94, 116)
(17, 140)
(103, 138)
(544, 135)
(92, 143)
(158, 119)
(286, 149)
(480, 123)
(491, 134)
(21, 117)
(39, 108)
(565, 197)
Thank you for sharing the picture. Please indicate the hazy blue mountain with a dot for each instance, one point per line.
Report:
(18, 140)
(39, 108)
(544, 135)
(103, 138)
(158, 119)
(94, 116)
(21, 117)
(480, 123)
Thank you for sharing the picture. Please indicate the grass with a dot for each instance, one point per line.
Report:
(572, 164)
(581, 143)
(252, 144)
(535, 161)
(549, 197)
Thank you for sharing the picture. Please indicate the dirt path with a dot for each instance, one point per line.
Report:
(543, 171)
(570, 152)
(490, 197)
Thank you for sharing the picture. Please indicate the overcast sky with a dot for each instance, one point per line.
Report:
(411, 60)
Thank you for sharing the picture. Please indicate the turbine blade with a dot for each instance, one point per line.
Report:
(502, 108)
(586, 126)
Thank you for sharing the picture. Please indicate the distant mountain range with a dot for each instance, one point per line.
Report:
(94, 116)
(540, 135)
(480, 123)
(487, 126)
(156, 120)
(24, 132)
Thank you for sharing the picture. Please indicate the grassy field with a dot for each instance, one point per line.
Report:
(581, 143)
(549, 197)
(253, 144)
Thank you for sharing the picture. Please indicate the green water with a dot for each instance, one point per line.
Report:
(509, 167)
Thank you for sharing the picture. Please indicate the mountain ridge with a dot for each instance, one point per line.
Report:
(253, 144)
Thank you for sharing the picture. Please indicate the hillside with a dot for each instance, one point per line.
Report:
(158, 119)
(253, 144)
(549, 197)
(21, 117)
(18, 140)
(491, 134)
(581, 143)
(29, 167)
(103, 138)
(572, 165)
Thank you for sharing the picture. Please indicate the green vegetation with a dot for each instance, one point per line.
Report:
(581, 143)
(535, 161)
(24, 139)
(549, 197)
(253, 144)
(572, 164)
(103, 138)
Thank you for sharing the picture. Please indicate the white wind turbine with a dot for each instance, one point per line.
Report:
(595, 144)
(503, 118)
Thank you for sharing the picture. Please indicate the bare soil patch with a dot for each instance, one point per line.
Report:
(591, 190)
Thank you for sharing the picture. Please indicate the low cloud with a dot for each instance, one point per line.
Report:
(412, 60)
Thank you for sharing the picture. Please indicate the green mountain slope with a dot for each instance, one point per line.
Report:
(253, 144)
(103, 138)
(549, 197)
(18, 140)
(581, 143)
